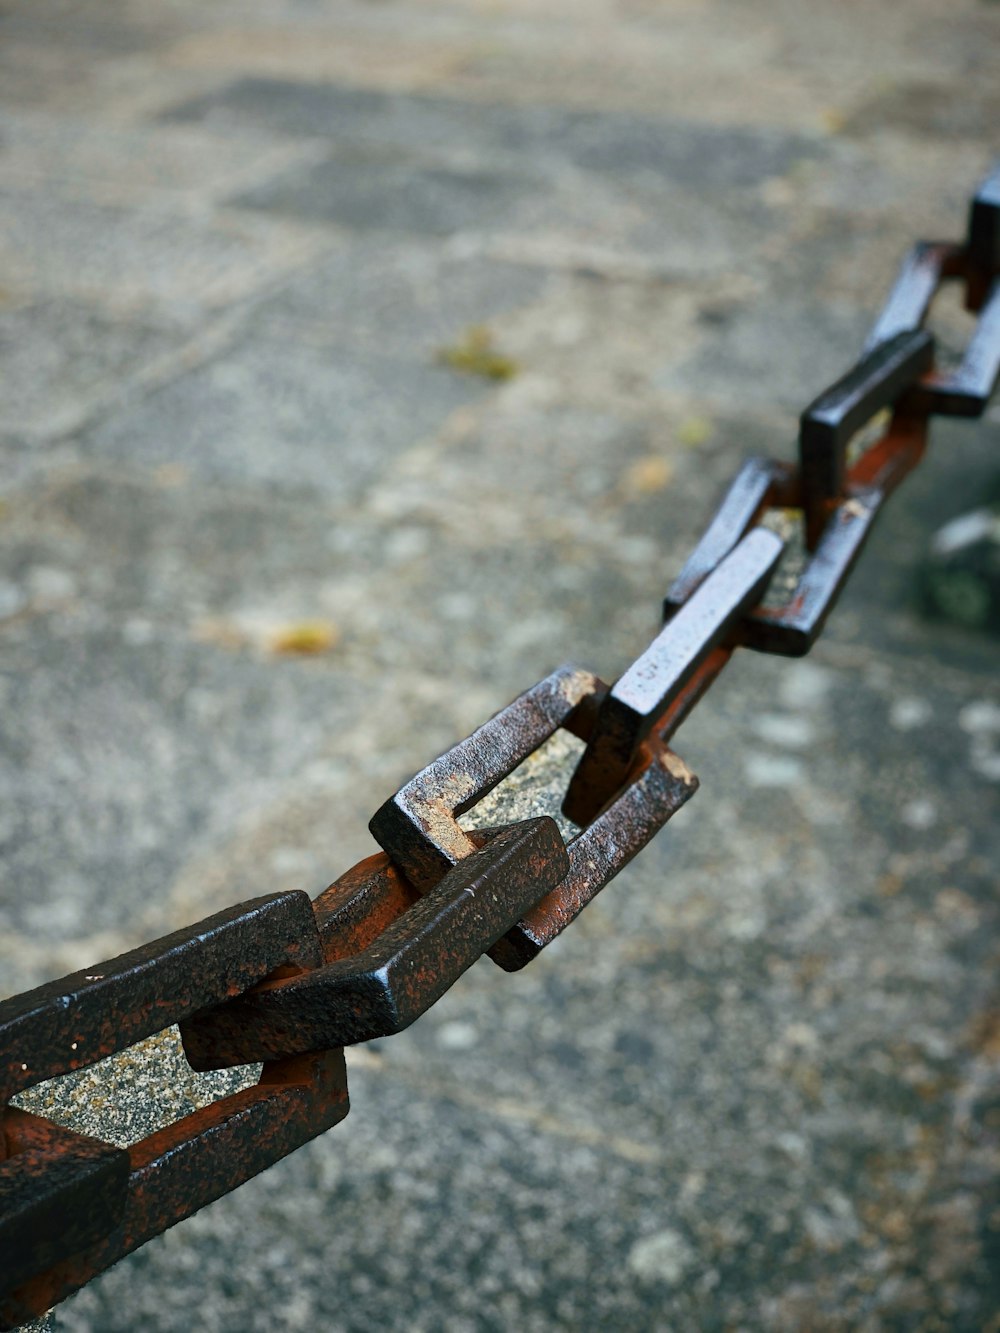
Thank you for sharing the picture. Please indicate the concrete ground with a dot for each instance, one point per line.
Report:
(757, 1085)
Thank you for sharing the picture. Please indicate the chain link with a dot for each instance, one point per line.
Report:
(290, 983)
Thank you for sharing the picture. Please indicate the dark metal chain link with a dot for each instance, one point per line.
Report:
(291, 982)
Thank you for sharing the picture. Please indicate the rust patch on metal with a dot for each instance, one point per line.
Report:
(80, 1019)
(418, 825)
(179, 1170)
(709, 619)
(405, 970)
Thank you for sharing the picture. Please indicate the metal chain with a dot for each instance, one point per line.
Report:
(291, 982)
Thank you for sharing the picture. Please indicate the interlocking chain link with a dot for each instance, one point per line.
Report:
(291, 983)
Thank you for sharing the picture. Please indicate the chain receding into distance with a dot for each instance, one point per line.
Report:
(290, 982)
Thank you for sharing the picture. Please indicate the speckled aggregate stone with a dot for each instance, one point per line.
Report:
(134, 1093)
(756, 1085)
(535, 788)
(129, 1096)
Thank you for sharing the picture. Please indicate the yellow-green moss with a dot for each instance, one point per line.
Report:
(475, 354)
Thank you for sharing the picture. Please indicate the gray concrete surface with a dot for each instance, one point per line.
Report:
(756, 1086)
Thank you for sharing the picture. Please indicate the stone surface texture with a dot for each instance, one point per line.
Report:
(757, 1085)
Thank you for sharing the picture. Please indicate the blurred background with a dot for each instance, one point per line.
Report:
(362, 362)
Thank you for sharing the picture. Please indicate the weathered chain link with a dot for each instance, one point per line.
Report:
(290, 983)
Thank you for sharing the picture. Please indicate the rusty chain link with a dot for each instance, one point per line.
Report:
(290, 983)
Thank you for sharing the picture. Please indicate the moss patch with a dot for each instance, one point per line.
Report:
(475, 354)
